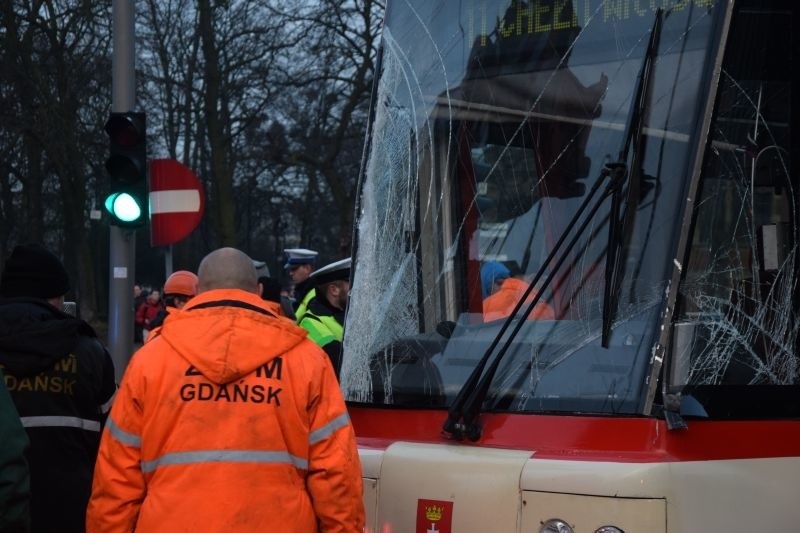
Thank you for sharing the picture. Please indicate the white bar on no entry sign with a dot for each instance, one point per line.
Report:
(178, 201)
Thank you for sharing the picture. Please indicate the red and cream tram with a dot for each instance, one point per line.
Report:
(628, 167)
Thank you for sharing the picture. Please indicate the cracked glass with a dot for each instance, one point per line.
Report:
(735, 339)
(492, 121)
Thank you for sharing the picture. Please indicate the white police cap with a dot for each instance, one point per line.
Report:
(339, 270)
(299, 256)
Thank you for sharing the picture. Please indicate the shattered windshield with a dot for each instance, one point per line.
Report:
(737, 308)
(492, 121)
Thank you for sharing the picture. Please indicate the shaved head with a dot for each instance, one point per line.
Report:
(227, 268)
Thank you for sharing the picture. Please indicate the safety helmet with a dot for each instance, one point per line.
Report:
(181, 282)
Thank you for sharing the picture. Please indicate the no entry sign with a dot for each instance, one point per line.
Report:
(177, 201)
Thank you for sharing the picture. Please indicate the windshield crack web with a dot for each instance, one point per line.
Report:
(414, 238)
(389, 242)
(741, 287)
(386, 228)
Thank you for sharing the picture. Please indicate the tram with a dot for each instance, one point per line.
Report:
(628, 166)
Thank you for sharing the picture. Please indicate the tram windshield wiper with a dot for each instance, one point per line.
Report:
(463, 413)
(620, 228)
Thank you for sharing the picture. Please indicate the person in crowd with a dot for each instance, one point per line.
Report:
(180, 287)
(501, 303)
(231, 419)
(271, 290)
(300, 264)
(15, 514)
(324, 318)
(61, 379)
(139, 296)
(493, 274)
(148, 311)
(286, 292)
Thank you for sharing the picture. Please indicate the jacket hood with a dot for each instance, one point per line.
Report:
(227, 333)
(34, 335)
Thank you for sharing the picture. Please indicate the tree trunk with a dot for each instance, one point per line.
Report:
(221, 171)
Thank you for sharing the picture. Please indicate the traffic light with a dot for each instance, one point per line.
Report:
(127, 202)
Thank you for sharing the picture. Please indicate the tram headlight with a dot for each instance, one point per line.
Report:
(556, 525)
(609, 529)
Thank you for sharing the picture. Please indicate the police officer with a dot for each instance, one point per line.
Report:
(324, 318)
(300, 264)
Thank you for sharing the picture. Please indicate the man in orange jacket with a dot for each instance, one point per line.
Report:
(501, 303)
(229, 420)
(180, 287)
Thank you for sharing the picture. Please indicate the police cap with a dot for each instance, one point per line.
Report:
(299, 256)
(339, 270)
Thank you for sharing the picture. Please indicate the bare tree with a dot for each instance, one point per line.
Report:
(265, 100)
(216, 68)
(55, 54)
(329, 106)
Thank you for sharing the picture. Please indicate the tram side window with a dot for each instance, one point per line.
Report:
(737, 320)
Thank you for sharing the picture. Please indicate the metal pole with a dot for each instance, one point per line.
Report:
(168, 261)
(122, 242)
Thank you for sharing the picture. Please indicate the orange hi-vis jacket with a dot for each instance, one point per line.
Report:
(229, 420)
(500, 304)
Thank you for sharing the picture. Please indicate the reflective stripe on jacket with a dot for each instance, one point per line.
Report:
(229, 420)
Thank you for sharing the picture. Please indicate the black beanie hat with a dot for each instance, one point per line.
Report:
(33, 271)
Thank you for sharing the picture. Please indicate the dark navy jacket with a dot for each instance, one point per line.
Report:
(61, 378)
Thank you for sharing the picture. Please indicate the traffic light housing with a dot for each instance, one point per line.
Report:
(127, 202)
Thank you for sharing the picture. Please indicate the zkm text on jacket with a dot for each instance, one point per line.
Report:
(56, 380)
(240, 391)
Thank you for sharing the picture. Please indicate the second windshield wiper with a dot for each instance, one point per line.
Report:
(462, 416)
(463, 413)
(620, 228)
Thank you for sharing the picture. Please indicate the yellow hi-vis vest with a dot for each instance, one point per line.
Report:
(322, 329)
(302, 309)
